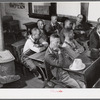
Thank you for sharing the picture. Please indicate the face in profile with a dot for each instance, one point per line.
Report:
(80, 18)
(40, 24)
(98, 29)
(98, 20)
(35, 34)
(55, 43)
(68, 24)
(54, 19)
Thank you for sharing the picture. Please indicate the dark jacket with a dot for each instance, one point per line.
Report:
(63, 34)
(43, 35)
(82, 27)
(94, 40)
(51, 29)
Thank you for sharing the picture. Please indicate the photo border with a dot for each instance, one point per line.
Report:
(70, 94)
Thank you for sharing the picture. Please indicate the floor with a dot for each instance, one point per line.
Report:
(26, 81)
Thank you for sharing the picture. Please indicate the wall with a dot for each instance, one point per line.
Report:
(19, 14)
(22, 14)
(94, 8)
(3, 9)
(69, 8)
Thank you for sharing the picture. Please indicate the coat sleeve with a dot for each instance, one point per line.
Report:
(62, 38)
(57, 62)
(92, 41)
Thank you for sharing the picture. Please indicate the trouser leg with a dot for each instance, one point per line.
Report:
(30, 64)
(68, 81)
(82, 84)
(72, 83)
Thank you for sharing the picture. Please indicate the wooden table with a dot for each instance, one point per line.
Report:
(91, 72)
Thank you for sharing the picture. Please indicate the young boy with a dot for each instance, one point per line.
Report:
(33, 44)
(54, 61)
(53, 26)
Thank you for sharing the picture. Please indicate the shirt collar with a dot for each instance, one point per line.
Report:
(30, 37)
(53, 24)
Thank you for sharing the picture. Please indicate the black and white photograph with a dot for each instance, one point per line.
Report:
(48, 45)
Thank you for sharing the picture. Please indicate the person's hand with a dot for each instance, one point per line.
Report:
(82, 32)
(56, 31)
(66, 38)
(59, 51)
(77, 51)
(38, 45)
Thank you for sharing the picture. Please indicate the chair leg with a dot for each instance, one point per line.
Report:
(23, 69)
(42, 73)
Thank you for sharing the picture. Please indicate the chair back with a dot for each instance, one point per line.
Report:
(92, 73)
(48, 71)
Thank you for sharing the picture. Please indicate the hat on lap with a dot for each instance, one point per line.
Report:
(77, 65)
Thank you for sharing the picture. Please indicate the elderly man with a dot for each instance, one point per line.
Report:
(40, 25)
(33, 44)
(53, 26)
(54, 58)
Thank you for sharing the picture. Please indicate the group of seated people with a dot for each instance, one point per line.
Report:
(62, 46)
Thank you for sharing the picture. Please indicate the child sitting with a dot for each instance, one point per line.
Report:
(33, 44)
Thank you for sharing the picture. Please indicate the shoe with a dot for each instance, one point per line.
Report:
(9, 78)
(36, 73)
(1, 85)
(39, 76)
